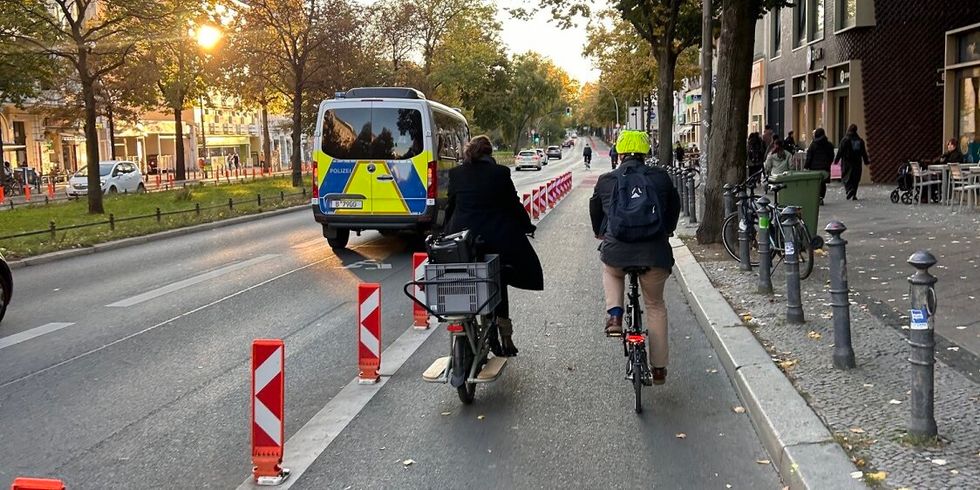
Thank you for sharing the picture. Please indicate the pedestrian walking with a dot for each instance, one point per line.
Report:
(756, 153)
(777, 162)
(613, 156)
(820, 156)
(679, 155)
(852, 153)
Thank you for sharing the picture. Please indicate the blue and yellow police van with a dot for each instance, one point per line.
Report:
(382, 157)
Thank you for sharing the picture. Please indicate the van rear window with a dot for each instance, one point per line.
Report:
(380, 133)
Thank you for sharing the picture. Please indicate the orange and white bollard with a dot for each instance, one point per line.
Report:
(543, 200)
(22, 483)
(420, 317)
(3, 196)
(369, 332)
(51, 190)
(534, 204)
(27, 192)
(268, 410)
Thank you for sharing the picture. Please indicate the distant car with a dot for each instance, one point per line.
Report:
(6, 286)
(114, 176)
(527, 159)
(554, 152)
(568, 144)
(543, 155)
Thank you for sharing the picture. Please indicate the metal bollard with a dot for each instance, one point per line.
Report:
(728, 199)
(685, 203)
(839, 300)
(922, 422)
(692, 195)
(744, 247)
(765, 251)
(794, 304)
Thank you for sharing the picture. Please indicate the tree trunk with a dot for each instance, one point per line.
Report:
(91, 135)
(296, 158)
(266, 143)
(666, 65)
(112, 131)
(707, 28)
(727, 142)
(179, 143)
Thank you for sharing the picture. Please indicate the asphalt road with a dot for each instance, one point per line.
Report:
(130, 369)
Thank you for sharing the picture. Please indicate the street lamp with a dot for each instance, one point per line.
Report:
(614, 101)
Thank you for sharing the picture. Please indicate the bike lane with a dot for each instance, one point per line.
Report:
(561, 413)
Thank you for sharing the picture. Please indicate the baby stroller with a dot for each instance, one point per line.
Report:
(905, 191)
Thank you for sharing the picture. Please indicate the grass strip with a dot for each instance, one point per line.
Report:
(213, 201)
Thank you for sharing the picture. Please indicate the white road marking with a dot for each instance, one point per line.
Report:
(32, 333)
(306, 445)
(177, 286)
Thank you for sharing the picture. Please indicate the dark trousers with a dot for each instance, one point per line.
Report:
(852, 178)
(503, 309)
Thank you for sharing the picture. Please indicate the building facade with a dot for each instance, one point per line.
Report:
(961, 81)
(873, 63)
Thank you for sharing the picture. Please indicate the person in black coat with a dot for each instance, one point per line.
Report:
(952, 155)
(820, 156)
(483, 199)
(852, 152)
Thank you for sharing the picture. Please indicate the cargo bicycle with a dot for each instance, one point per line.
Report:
(463, 295)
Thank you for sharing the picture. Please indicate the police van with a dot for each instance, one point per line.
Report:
(382, 158)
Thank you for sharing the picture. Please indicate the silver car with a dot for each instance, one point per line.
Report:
(114, 176)
(527, 159)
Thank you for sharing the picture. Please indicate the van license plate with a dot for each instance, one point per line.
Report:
(346, 204)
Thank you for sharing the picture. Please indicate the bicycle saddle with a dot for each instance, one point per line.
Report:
(638, 270)
(776, 187)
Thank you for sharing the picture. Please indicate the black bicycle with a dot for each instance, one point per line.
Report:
(777, 241)
(635, 337)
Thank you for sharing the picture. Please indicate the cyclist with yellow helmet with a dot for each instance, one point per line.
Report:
(634, 210)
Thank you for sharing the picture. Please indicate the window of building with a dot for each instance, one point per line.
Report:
(799, 23)
(967, 112)
(968, 48)
(776, 108)
(847, 13)
(816, 20)
(776, 47)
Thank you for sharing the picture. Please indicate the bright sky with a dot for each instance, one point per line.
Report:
(564, 47)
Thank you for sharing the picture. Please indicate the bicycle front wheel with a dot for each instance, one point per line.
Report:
(637, 378)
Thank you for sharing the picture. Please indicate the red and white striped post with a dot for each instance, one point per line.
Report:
(268, 411)
(543, 199)
(534, 204)
(526, 200)
(420, 316)
(369, 332)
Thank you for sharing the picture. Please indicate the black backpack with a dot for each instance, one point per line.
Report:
(635, 212)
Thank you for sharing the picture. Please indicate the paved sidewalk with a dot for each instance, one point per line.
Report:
(866, 408)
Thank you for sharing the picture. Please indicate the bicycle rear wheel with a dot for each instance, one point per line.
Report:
(806, 251)
(638, 373)
(729, 236)
(462, 361)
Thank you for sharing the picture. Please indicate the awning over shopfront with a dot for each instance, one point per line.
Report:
(218, 141)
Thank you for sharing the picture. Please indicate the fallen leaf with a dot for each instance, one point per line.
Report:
(680, 435)
(876, 476)
(446, 413)
(788, 364)
(738, 409)
(814, 335)
(408, 462)
(762, 461)
(856, 430)
(481, 417)
(939, 462)
(955, 472)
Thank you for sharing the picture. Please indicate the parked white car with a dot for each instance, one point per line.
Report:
(527, 159)
(114, 176)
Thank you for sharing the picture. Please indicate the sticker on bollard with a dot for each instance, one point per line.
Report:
(919, 319)
(790, 248)
(268, 411)
(369, 332)
(419, 315)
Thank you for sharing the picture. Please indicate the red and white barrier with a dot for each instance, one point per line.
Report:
(534, 204)
(369, 332)
(525, 200)
(542, 200)
(27, 193)
(22, 483)
(268, 411)
(420, 316)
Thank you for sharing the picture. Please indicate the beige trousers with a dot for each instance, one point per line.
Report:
(655, 317)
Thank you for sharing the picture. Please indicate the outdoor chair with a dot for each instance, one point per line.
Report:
(958, 182)
(923, 180)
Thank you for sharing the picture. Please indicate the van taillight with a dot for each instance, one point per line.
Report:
(316, 188)
(433, 188)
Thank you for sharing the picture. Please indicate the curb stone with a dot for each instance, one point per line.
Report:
(137, 240)
(801, 447)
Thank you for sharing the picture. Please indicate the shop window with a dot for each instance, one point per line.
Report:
(968, 48)
(968, 112)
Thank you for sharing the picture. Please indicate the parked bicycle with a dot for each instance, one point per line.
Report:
(777, 241)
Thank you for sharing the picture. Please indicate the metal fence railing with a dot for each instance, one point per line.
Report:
(53, 228)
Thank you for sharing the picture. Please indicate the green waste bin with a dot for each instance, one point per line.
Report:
(803, 190)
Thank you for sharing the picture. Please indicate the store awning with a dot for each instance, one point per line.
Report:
(216, 141)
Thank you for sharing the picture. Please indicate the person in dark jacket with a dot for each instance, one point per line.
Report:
(820, 156)
(852, 152)
(678, 155)
(952, 155)
(655, 254)
(613, 156)
(483, 199)
(756, 149)
(789, 143)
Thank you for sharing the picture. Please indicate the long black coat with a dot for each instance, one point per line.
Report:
(483, 199)
(820, 155)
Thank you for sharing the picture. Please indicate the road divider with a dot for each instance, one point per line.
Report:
(369, 332)
(526, 200)
(22, 483)
(420, 316)
(268, 410)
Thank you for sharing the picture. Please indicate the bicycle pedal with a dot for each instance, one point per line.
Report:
(491, 370)
(438, 371)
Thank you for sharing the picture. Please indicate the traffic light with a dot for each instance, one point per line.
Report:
(537, 138)
(568, 111)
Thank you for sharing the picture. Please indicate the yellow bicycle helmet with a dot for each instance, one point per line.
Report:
(633, 141)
